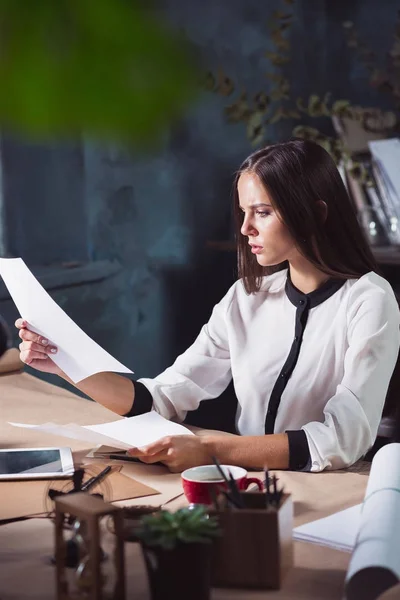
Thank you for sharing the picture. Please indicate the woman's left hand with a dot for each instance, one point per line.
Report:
(177, 452)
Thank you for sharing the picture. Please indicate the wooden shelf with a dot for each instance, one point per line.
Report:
(387, 255)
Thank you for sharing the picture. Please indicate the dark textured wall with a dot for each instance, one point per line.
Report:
(155, 213)
(44, 209)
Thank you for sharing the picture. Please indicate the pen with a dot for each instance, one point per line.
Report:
(267, 490)
(213, 497)
(218, 465)
(95, 480)
(230, 501)
(275, 492)
(128, 458)
(124, 457)
(235, 494)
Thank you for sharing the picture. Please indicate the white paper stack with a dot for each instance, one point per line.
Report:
(337, 531)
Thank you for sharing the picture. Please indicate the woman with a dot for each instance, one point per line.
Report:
(309, 333)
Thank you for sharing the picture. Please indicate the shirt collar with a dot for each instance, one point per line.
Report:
(314, 298)
(274, 282)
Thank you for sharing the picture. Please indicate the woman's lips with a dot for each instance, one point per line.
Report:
(256, 249)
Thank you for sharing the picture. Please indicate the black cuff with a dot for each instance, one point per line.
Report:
(299, 452)
(143, 402)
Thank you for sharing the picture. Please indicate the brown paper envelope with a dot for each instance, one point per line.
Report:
(10, 362)
(26, 498)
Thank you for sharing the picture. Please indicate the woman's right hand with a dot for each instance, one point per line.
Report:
(35, 350)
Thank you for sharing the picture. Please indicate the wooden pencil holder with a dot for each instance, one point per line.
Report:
(255, 549)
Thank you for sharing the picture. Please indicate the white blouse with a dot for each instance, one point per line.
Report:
(318, 362)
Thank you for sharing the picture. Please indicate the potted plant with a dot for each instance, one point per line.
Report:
(177, 550)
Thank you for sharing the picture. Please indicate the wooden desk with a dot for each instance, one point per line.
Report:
(25, 546)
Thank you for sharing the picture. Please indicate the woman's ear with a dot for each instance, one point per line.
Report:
(322, 208)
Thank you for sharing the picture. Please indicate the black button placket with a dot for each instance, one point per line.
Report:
(302, 310)
(303, 303)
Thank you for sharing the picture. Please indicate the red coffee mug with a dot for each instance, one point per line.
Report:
(197, 482)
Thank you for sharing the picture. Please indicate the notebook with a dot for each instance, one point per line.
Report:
(336, 531)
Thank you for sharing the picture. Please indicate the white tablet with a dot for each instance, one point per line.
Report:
(35, 463)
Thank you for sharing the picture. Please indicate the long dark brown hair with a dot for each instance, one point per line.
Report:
(297, 175)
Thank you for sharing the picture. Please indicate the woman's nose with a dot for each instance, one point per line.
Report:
(247, 228)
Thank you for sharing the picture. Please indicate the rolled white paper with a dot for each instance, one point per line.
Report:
(375, 562)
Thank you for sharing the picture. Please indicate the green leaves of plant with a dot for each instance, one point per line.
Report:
(387, 79)
(277, 59)
(100, 66)
(220, 84)
(341, 107)
(276, 103)
(186, 525)
(255, 128)
(332, 145)
(254, 112)
(239, 110)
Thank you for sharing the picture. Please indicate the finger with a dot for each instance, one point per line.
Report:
(134, 452)
(20, 323)
(26, 346)
(166, 456)
(172, 460)
(28, 356)
(158, 446)
(29, 336)
(174, 468)
(141, 452)
(159, 457)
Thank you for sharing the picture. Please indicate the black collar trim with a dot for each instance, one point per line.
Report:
(316, 297)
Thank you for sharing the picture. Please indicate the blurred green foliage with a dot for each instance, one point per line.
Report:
(104, 67)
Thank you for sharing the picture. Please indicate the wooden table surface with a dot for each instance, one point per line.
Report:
(25, 546)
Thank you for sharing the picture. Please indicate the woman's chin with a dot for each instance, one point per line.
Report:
(267, 261)
(263, 260)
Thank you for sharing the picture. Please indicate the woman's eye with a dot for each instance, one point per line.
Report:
(262, 213)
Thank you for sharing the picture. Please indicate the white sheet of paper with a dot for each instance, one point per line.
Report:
(124, 433)
(78, 355)
(74, 432)
(140, 431)
(337, 531)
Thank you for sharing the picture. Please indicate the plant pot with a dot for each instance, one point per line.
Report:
(181, 573)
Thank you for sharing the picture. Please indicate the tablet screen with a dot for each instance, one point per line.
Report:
(30, 462)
